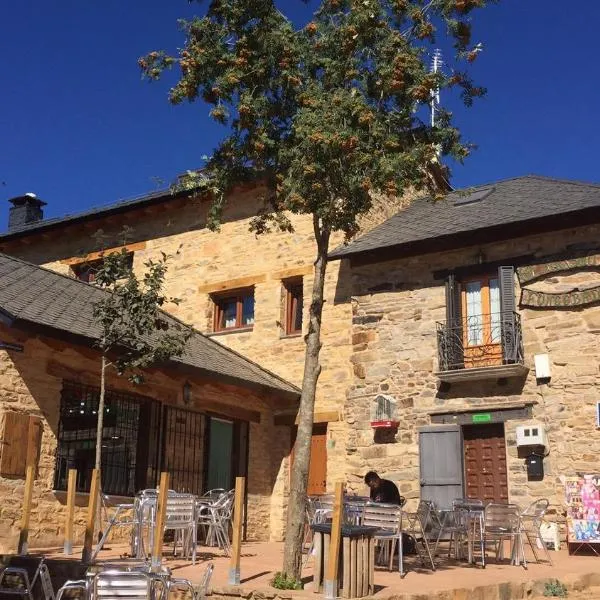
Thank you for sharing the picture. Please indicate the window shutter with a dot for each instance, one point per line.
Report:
(452, 300)
(508, 306)
(15, 435)
(450, 338)
(506, 280)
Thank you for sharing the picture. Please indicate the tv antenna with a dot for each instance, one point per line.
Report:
(436, 67)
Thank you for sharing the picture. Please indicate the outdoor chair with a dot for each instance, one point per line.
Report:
(448, 523)
(468, 512)
(418, 526)
(502, 522)
(531, 522)
(215, 519)
(21, 576)
(310, 510)
(123, 584)
(388, 520)
(180, 517)
(124, 515)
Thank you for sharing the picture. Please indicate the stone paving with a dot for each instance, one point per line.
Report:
(452, 580)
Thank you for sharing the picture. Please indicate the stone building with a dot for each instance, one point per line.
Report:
(477, 318)
(205, 417)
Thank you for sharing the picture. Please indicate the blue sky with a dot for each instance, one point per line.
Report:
(80, 128)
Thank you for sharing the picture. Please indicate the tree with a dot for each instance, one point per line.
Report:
(323, 116)
(134, 332)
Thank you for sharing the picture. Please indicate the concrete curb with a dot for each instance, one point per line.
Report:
(507, 590)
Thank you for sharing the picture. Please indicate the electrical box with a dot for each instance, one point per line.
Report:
(542, 366)
(531, 435)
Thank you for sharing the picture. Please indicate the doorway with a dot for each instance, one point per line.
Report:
(220, 452)
(317, 470)
(485, 462)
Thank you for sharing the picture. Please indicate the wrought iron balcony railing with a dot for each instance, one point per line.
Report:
(480, 341)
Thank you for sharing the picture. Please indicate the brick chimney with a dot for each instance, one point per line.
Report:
(25, 210)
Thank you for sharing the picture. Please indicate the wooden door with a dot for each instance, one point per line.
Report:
(485, 462)
(317, 470)
(440, 463)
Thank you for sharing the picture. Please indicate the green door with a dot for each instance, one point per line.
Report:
(220, 453)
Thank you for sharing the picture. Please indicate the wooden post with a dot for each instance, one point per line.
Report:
(71, 486)
(238, 521)
(159, 529)
(331, 572)
(88, 539)
(29, 481)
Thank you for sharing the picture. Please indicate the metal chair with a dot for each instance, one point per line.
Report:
(202, 589)
(469, 513)
(448, 522)
(502, 522)
(418, 526)
(531, 521)
(215, 518)
(21, 575)
(121, 584)
(388, 520)
(125, 515)
(180, 517)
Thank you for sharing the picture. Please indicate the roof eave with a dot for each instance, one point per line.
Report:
(472, 237)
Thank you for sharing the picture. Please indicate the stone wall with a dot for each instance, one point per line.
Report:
(395, 307)
(31, 382)
(204, 262)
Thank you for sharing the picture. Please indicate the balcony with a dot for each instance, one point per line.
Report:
(481, 347)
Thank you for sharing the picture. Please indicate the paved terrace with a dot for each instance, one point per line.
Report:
(451, 581)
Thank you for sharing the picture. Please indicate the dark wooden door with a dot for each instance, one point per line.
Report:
(440, 463)
(485, 462)
(317, 471)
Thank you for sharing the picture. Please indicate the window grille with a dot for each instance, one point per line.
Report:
(129, 440)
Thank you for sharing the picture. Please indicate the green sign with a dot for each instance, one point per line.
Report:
(482, 418)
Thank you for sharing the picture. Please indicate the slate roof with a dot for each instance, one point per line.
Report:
(39, 296)
(100, 211)
(493, 205)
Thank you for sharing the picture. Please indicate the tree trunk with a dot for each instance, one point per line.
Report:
(100, 425)
(296, 512)
(99, 428)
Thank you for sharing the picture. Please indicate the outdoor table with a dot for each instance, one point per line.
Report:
(357, 559)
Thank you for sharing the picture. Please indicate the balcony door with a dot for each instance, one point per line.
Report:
(482, 333)
(482, 328)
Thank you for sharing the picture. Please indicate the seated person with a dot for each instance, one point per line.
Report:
(383, 490)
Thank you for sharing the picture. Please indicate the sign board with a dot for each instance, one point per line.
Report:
(482, 418)
(583, 509)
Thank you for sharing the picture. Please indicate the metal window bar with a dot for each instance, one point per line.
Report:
(183, 449)
(478, 338)
(128, 459)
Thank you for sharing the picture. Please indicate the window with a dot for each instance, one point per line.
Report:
(129, 460)
(481, 305)
(86, 271)
(234, 310)
(294, 302)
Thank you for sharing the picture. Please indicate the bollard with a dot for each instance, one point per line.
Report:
(238, 520)
(23, 536)
(331, 572)
(71, 487)
(159, 530)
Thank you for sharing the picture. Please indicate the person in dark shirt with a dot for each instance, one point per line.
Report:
(383, 490)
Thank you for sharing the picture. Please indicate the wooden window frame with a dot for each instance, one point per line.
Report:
(291, 305)
(238, 297)
(484, 280)
(88, 266)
